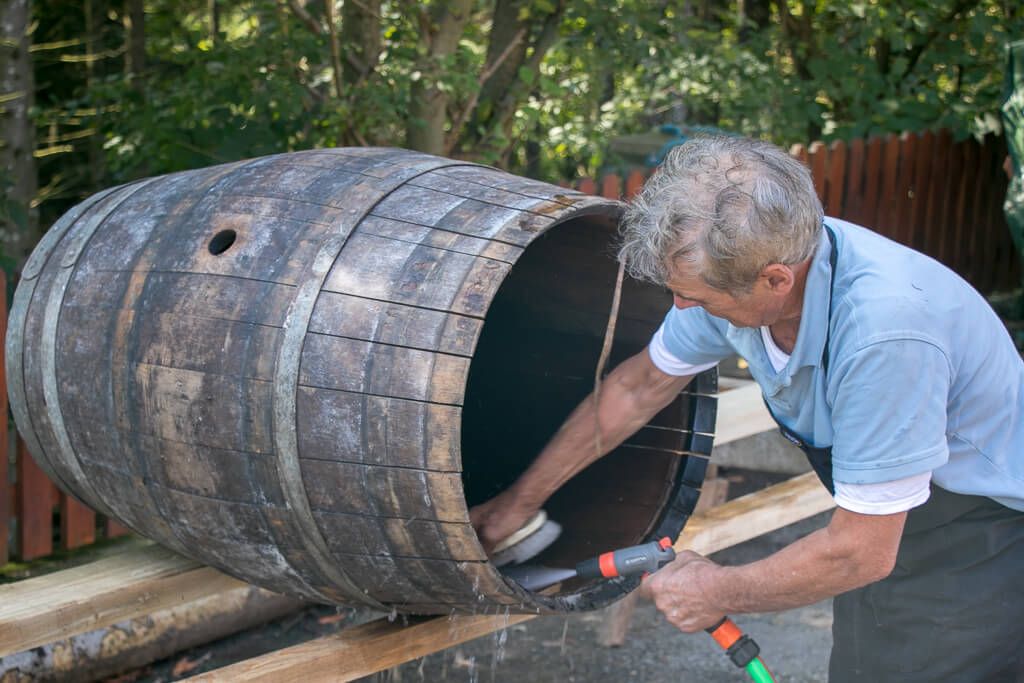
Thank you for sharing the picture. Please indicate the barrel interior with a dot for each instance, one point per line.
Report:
(536, 360)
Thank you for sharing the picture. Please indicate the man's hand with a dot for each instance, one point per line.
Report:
(499, 518)
(853, 550)
(633, 393)
(676, 590)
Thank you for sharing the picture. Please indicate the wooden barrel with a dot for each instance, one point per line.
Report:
(302, 369)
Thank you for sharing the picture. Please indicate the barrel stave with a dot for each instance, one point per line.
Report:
(343, 315)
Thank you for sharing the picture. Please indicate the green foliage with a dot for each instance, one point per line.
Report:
(266, 83)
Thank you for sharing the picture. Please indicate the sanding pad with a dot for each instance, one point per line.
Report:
(534, 536)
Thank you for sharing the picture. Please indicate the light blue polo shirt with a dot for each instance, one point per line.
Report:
(922, 373)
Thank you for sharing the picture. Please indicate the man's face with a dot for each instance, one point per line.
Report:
(758, 307)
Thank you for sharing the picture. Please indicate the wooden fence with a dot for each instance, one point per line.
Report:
(941, 197)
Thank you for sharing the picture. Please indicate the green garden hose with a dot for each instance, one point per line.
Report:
(741, 648)
(758, 671)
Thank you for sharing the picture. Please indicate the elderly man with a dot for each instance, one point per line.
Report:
(892, 373)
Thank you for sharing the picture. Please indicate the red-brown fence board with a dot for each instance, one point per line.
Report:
(925, 190)
(816, 157)
(965, 156)
(633, 184)
(853, 202)
(36, 497)
(872, 182)
(610, 187)
(5, 462)
(114, 529)
(922, 168)
(77, 523)
(903, 230)
(5, 504)
(835, 184)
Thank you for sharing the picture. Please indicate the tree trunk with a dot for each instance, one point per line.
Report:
(360, 35)
(214, 13)
(19, 221)
(441, 28)
(135, 29)
(95, 12)
(754, 15)
(517, 41)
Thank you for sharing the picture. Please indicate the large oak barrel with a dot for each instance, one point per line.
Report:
(303, 369)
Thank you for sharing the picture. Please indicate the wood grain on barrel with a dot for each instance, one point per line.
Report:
(265, 365)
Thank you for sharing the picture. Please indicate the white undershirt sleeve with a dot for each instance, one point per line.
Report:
(669, 364)
(884, 498)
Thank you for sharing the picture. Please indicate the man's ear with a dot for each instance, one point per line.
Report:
(778, 278)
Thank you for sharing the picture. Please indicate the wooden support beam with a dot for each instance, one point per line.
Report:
(131, 643)
(362, 651)
(378, 646)
(133, 583)
(741, 411)
(755, 514)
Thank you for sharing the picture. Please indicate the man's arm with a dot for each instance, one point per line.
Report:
(852, 551)
(630, 396)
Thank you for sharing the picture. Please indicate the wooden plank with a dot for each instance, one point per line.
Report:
(587, 186)
(77, 523)
(982, 272)
(36, 496)
(903, 194)
(939, 198)
(920, 189)
(885, 218)
(817, 157)
(363, 650)
(634, 183)
(133, 583)
(742, 413)
(378, 646)
(4, 455)
(872, 182)
(610, 187)
(113, 528)
(835, 184)
(5, 502)
(104, 652)
(962, 192)
(853, 204)
(799, 152)
(755, 514)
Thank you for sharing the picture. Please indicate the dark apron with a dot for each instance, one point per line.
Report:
(952, 610)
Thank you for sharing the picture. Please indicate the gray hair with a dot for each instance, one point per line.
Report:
(727, 207)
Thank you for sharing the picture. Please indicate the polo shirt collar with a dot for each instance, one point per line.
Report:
(814, 318)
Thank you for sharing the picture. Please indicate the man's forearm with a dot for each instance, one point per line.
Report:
(630, 396)
(820, 565)
(852, 551)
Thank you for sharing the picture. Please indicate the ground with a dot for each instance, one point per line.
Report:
(794, 644)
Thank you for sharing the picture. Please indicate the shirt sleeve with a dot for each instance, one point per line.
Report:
(889, 412)
(668, 363)
(884, 498)
(693, 337)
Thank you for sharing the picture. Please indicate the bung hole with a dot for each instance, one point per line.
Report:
(222, 241)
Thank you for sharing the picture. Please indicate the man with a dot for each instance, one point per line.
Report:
(897, 377)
